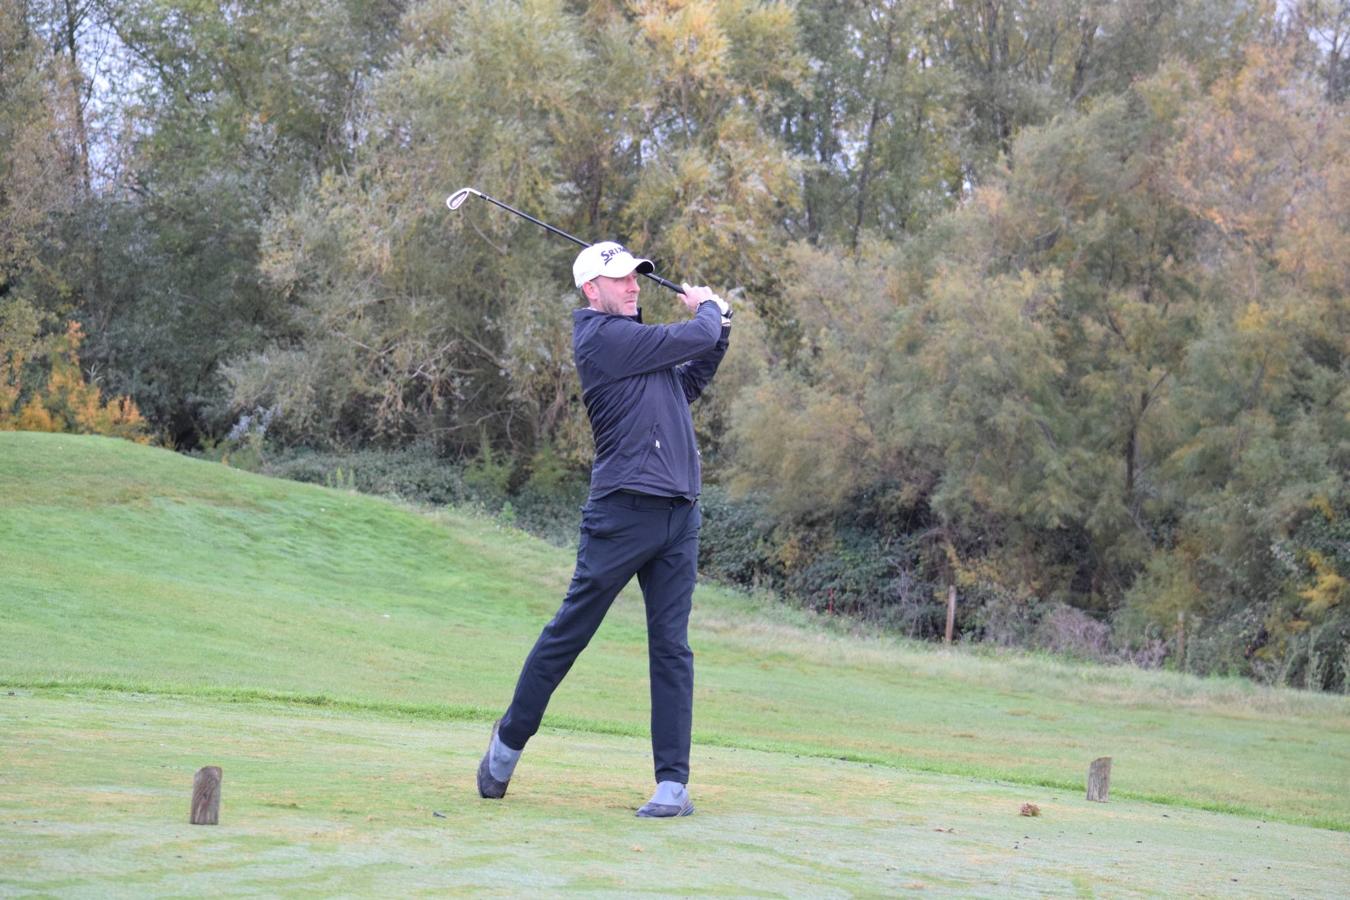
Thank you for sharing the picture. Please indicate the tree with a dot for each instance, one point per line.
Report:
(414, 325)
(1259, 470)
(1114, 377)
(37, 186)
(227, 110)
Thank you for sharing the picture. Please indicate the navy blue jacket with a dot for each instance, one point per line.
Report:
(637, 382)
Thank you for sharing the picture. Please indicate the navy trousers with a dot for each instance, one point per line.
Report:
(622, 535)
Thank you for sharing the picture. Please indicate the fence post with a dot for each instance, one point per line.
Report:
(1099, 779)
(1181, 640)
(951, 612)
(206, 796)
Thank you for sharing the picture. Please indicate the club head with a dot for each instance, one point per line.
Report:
(455, 200)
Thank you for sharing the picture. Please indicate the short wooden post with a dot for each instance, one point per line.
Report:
(1181, 640)
(951, 612)
(206, 796)
(1099, 779)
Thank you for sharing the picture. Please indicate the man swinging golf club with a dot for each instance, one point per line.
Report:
(641, 517)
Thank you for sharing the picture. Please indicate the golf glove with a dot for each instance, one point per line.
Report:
(723, 306)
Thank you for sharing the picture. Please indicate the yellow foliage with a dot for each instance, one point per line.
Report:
(1253, 320)
(66, 402)
(1329, 588)
(34, 417)
(9, 399)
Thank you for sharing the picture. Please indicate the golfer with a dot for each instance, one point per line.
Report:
(641, 517)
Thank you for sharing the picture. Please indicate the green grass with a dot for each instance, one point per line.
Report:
(96, 792)
(344, 654)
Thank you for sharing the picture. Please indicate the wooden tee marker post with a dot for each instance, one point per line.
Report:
(206, 796)
(1099, 779)
(951, 612)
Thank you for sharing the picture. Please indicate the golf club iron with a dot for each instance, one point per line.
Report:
(456, 200)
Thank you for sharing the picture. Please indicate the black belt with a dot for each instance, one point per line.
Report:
(639, 500)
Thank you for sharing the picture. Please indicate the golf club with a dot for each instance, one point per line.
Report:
(456, 200)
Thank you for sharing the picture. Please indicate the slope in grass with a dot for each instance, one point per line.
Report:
(128, 568)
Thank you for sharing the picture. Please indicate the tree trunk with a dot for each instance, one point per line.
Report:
(72, 25)
(1087, 32)
(869, 142)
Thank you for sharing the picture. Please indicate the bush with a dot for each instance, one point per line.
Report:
(848, 571)
(548, 504)
(994, 614)
(545, 505)
(735, 542)
(1228, 646)
(417, 475)
(1072, 632)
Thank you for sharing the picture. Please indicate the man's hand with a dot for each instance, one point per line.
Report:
(693, 297)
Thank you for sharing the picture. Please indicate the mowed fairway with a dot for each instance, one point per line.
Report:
(342, 657)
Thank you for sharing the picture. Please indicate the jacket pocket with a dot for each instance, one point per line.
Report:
(656, 460)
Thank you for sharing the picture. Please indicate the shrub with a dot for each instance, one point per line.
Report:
(49, 392)
(847, 571)
(736, 545)
(1072, 632)
(548, 503)
(417, 475)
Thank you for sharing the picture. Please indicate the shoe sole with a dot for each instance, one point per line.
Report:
(686, 810)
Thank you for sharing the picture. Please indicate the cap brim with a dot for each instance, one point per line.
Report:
(619, 268)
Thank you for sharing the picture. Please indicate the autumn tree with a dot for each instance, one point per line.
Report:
(1258, 477)
(415, 324)
(1114, 379)
(60, 398)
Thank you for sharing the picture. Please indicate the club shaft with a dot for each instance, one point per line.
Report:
(573, 238)
(511, 209)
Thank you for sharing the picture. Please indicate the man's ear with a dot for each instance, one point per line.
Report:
(588, 290)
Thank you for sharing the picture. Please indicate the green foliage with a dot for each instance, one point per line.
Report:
(410, 325)
(41, 180)
(1108, 381)
(490, 472)
(735, 540)
(859, 570)
(412, 474)
(341, 480)
(544, 502)
(234, 109)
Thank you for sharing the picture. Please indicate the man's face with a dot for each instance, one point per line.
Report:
(616, 296)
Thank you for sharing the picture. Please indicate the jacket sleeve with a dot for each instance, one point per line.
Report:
(695, 374)
(627, 348)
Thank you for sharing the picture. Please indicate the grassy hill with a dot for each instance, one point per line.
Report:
(342, 657)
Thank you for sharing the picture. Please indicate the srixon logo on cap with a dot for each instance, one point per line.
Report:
(607, 255)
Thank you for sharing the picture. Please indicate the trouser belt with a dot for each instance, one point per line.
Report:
(639, 500)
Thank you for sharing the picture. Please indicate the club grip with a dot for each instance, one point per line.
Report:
(664, 283)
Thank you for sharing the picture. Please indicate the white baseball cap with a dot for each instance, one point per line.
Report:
(609, 259)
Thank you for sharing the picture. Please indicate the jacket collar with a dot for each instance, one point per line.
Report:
(587, 312)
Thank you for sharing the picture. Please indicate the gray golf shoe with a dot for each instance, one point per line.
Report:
(665, 810)
(670, 800)
(489, 787)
